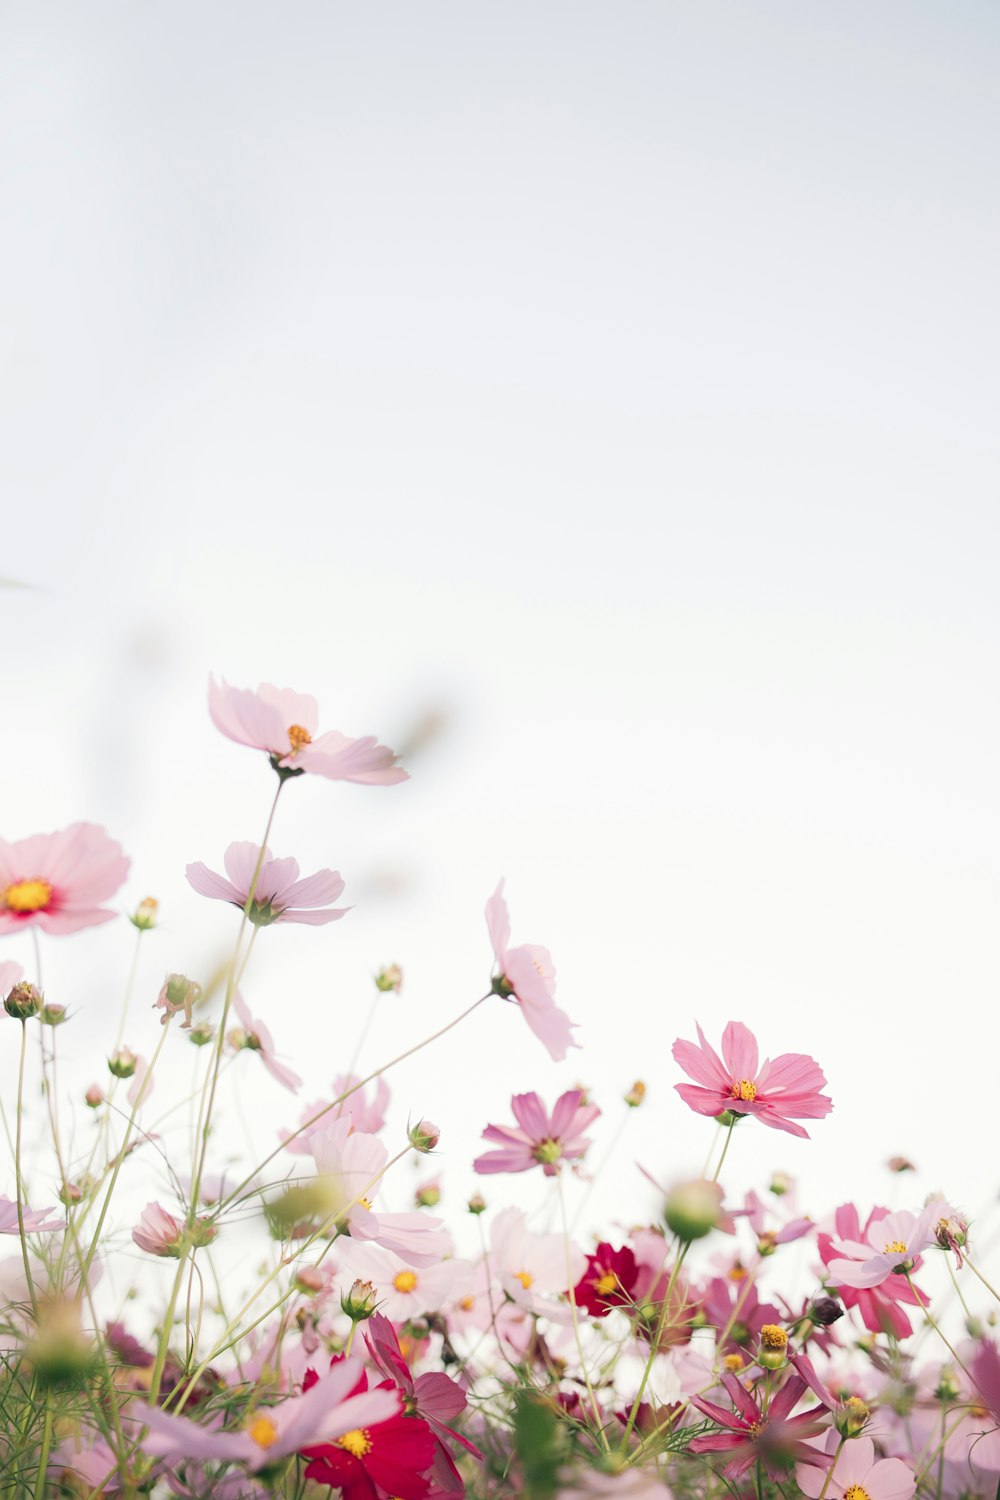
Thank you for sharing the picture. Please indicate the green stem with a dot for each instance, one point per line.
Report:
(935, 1325)
(19, 1180)
(43, 1457)
(574, 1315)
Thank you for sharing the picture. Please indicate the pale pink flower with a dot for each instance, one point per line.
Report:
(141, 1086)
(404, 1289)
(539, 1139)
(892, 1245)
(273, 1432)
(366, 1115)
(34, 1219)
(10, 973)
(278, 893)
(532, 1267)
(255, 1037)
(283, 724)
(57, 880)
(628, 1484)
(527, 973)
(158, 1232)
(857, 1472)
(351, 1165)
(776, 1092)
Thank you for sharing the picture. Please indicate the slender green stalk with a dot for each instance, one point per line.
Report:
(18, 1178)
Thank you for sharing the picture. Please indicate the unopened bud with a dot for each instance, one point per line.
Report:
(202, 1034)
(780, 1184)
(389, 979)
(693, 1209)
(69, 1194)
(428, 1195)
(52, 1015)
(733, 1363)
(900, 1164)
(424, 1136)
(851, 1417)
(94, 1096)
(360, 1302)
(122, 1063)
(144, 916)
(310, 1280)
(60, 1354)
(952, 1233)
(636, 1094)
(178, 992)
(201, 1233)
(477, 1204)
(947, 1389)
(773, 1346)
(23, 1002)
(824, 1311)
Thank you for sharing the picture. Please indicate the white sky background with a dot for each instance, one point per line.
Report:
(617, 381)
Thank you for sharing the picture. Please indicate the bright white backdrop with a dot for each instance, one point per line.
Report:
(613, 384)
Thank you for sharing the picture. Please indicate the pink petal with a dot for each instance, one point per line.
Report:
(498, 924)
(530, 1114)
(739, 1051)
(207, 883)
(702, 1064)
(314, 890)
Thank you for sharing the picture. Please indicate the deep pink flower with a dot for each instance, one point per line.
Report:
(539, 1139)
(985, 1370)
(58, 880)
(776, 1092)
(253, 1036)
(527, 973)
(283, 724)
(278, 893)
(609, 1281)
(773, 1438)
(857, 1472)
(878, 1305)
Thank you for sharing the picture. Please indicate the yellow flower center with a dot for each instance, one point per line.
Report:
(27, 895)
(405, 1281)
(894, 1247)
(605, 1284)
(297, 737)
(357, 1441)
(773, 1337)
(856, 1492)
(263, 1432)
(467, 1304)
(738, 1272)
(732, 1362)
(744, 1090)
(524, 1277)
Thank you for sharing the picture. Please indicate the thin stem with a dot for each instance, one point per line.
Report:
(574, 1315)
(19, 1180)
(829, 1472)
(935, 1325)
(129, 987)
(976, 1272)
(725, 1148)
(43, 1457)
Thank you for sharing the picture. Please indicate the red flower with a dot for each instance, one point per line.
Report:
(388, 1458)
(608, 1281)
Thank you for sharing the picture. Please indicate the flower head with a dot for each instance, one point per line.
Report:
(283, 724)
(776, 1092)
(278, 893)
(857, 1474)
(390, 1457)
(253, 1036)
(527, 974)
(609, 1280)
(891, 1247)
(58, 880)
(772, 1438)
(539, 1139)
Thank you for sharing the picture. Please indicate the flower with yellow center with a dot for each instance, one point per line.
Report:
(744, 1090)
(27, 895)
(263, 1431)
(894, 1247)
(606, 1284)
(358, 1441)
(773, 1337)
(297, 737)
(405, 1281)
(856, 1492)
(525, 1278)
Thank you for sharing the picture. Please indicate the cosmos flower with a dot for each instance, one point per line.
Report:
(539, 1139)
(278, 893)
(527, 974)
(35, 1220)
(384, 1458)
(776, 1092)
(283, 724)
(891, 1246)
(609, 1280)
(253, 1036)
(58, 880)
(774, 1438)
(856, 1473)
(878, 1305)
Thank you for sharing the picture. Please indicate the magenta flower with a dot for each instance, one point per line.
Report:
(278, 894)
(253, 1036)
(321, 1415)
(539, 1139)
(857, 1472)
(283, 724)
(776, 1092)
(773, 1438)
(892, 1246)
(58, 880)
(527, 973)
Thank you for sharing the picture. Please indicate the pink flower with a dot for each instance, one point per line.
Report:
(34, 1219)
(158, 1232)
(404, 1289)
(351, 1165)
(773, 1438)
(283, 724)
(985, 1369)
(365, 1115)
(539, 1139)
(892, 1246)
(273, 1432)
(278, 893)
(878, 1305)
(527, 974)
(10, 973)
(858, 1472)
(57, 880)
(532, 1267)
(773, 1091)
(255, 1037)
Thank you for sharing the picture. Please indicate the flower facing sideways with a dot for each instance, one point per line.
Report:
(278, 893)
(777, 1092)
(527, 974)
(283, 724)
(58, 880)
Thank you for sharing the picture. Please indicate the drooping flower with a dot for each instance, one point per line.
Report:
(159, 1233)
(387, 1458)
(539, 1139)
(253, 1036)
(278, 893)
(773, 1438)
(58, 880)
(283, 724)
(857, 1474)
(527, 973)
(776, 1092)
(891, 1246)
(351, 1165)
(609, 1280)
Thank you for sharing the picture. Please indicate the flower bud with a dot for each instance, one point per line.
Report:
(477, 1204)
(693, 1209)
(952, 1233)
(900, 1164)
(60, 1354)
(389, 979)
(178, 993)
(851, 1417)
(94, 1097)
(144, 916)
(636, 1094)
(825, 1310)
(23, 1002)
(309, 1279)
(773, 1350)
(69, 1194)
(732, 1363)
(424, 1136)
(201, 1233)
(428, 1194)
(780, 1184)
(201, 1034)
(123, 1063)
(52, 1015)
(360, 1302)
